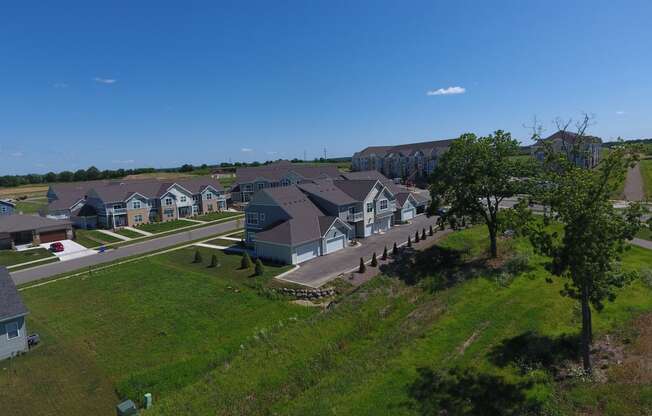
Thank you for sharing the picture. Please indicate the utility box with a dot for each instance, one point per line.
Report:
(126, 408)
(148, 400)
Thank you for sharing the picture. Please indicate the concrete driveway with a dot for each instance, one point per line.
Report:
(316, 272)
(71, 250)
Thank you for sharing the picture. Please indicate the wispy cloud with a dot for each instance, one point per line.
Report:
(620, 112)
(60, 85)
(123, 162)
(246, 150)
(17, 154)
(447, 91)
(271, 153)
(105, 80)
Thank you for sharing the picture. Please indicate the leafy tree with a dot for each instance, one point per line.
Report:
(363, 267)
(50, 177)
(92, 173)
(197, 258)
(587, 251)
(80, 175)
(384, 256)
(214, 261)
(474, 176)
(245, 262)
(394, 249)
(374, 260)
(186, 168)
(260, 269)
(66, 176)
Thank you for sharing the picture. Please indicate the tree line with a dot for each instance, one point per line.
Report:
(90, 174)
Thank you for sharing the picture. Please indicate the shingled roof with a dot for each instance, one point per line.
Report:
(17, 223)
(11, 305)
(405, 149)
(276, 171)
(571, 138)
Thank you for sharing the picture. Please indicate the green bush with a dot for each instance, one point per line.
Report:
(245, 263)
(260, 269)
(409, 243)
(646, 277)
(416, 237)
(517, 264)
(384, 257)
(374, 260)
(363, 267)
(197, 258)
(430, 232)
(394, 249)
(214, 261)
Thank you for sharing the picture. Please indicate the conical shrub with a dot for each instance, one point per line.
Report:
(363, 267)
(260, 269)
(245, 263)
(197, 258)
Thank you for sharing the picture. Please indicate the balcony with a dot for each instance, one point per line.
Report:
(116, 211)
(384, 213)
(355, 216)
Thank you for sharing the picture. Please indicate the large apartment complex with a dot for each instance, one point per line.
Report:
(405, 161)
(583, 151)
(119, 203)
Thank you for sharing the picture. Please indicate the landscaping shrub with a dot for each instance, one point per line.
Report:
(197, 258)
(416, 237)
(646, 277)
(394, 249)
(430, 232)
(517, 264)
(363, 267)
(245, 263)
(260, 269)
(384, 257)
(423, 234)
(409, 243)
(214, 261)
(374, 260)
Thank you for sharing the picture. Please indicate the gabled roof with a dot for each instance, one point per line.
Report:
(402, 197)
(372, 175)
(327, 190)
(11, 305)
(276, 171)
(571, 138)
(357, 189)
(18, 223)
(7, 202)
(405, 149)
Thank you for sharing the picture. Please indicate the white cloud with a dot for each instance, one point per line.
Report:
(17, 154)
(60, 85)
(123, 162)
(620, 112)
(246, 150)
(105, 80)
(447, 91)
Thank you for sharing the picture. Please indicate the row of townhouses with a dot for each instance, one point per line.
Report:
(120, 203)
(295, 223)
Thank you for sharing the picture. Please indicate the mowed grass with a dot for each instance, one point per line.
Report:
(31, 206)
(156, 325)
(160, 227)
(93, 238)
(361, 356)
(129, 233)
(646, 172)
(11, 257)
(214, 216)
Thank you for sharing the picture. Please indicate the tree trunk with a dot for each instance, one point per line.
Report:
(493, 246)
(586, 331)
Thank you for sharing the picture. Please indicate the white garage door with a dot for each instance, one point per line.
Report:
(381, 225)
(307, 252)
(368, 230)
(408, 214)
(334, 244)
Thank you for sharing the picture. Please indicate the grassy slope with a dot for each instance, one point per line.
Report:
(31, 207)
(646, 172)
(359, 358)
(214, 216)
(151, 326)
(9, 257)
(159, 227)
(129, 233)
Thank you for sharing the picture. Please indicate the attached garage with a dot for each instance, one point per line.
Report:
(27, 229)
(306, 252)
(50, 236)
(382, 224)
(334, 244)
(408, 214)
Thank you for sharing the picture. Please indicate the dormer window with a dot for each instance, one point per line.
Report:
(168, 201)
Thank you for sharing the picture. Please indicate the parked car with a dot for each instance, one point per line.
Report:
(56, 247)
(441, 212)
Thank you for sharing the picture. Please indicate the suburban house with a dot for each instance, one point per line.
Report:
(273, 175)
(405, 161)
(112, 204)
(284, 225)
(583, 151)
(7, 207)
(13, 329)
(31, 229)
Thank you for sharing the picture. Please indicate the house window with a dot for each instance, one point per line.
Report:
(248, 187)
(4, 209)
(261, 218)
(370, 207)
(383, 204)
(210, 208)
(117, 207)
(138, 218)
(260, 185)
(183, 199)
(195, 198)
(168, 212)
(12, 330)
(251, 236)
(168, 201)
(209, 195)
(252, 218)
(136, 204)
(285, 182)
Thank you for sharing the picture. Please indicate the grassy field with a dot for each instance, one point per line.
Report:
(93, 238)
(222, 242)
(31, 206)
(214, 216)
(361, 356)
(129, 233)
(155, 325)
(24, 190)
(646, 172)
(10, 257)
(645, 233)
(160, 227)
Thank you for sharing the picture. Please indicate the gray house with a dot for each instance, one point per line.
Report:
(13, 330)
(7, 207)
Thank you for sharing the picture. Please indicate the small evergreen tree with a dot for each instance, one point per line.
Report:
(416, 236)
(260, 269)
(394, 249)
(197, 258)
(374, 260)
(430, 232)
(245, 263)
(384, 257)
(214, 262)
(363, 267)
(423, 234)
(409, 243)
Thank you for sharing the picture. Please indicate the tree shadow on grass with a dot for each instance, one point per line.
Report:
(459, 392)
(412, 266)
(530, 350)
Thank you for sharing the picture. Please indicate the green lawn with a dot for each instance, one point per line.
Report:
(360, 357)
(214, 216)
(31, 207)
(11, 257)
(129, 233)
(645, 233)
(155, 325)
(646, 172)
(160, 227)
(93, 238)
(223, 242)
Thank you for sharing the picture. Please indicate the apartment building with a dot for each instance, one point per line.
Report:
(583, 151)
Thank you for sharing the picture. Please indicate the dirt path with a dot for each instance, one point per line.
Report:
(634, 185)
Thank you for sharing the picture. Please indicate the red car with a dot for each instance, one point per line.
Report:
(56, 247)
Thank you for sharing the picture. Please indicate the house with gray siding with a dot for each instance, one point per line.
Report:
(13, 329)
(7, 207)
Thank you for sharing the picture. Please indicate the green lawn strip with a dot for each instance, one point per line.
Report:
(645, 233)
(11, 257)
(154, 325)
(360, 357)
(214, 216)
(87, 237)
(129, 233)
(36, 264)
(646, 172)
(31, 207)
(159, 227)
(223, 242)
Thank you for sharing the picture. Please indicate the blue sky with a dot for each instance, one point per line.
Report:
(123, 84)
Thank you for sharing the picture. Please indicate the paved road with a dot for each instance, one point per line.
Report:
(320, 270)
(634, 185)
(642, 243)
(53, 269)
